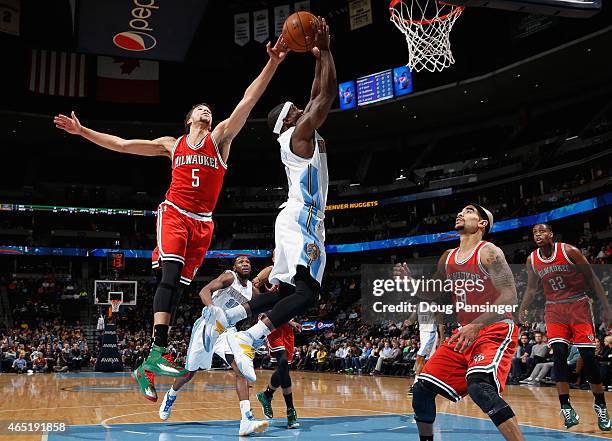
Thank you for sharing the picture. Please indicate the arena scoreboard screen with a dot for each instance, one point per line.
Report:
(374, 88)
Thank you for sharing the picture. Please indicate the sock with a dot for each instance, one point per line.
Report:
(564, 399)
(172, 392)
(235, 314)
(160, 333)
(288, 400)
(269, 392)
(245, 409)
(599, 399)
(426, 437)
(258, 330)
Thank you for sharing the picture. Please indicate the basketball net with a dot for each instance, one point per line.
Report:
(115, 304)
(426, 24)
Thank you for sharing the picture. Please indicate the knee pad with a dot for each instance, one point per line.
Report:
(283, 370)
(169, 285)
(176, 300)
(591, 368)
(162, 302)
(483, 391)
(424, 402)
(560, 368)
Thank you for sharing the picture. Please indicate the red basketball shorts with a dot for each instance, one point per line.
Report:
(282, 339)
(491, 352)
(570, 323)
(182, 237)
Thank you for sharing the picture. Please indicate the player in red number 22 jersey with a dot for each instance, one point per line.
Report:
(566, 276)
(476, 360)
(184, 219)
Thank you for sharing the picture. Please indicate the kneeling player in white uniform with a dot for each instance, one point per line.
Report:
(228, 290)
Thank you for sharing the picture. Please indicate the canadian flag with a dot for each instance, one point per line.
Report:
(127, 80)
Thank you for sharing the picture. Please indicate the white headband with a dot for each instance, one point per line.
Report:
(279, 122)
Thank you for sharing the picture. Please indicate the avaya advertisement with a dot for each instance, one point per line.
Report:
(145, 29)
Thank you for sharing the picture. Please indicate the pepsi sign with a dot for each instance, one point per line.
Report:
(144, 29)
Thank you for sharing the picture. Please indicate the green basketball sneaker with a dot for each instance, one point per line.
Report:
(569, 415)
(266, 405)
(147, 388)
(157, 364)
(292, 421)
(603, 419)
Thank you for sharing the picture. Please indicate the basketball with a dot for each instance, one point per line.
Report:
(297, 27)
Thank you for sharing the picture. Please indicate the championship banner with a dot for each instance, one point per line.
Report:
(10, 11)
(145, 29)
(242, 25)
(302, 6)
(360, 13)
(261, 25)
(280, 15)
(108, 358)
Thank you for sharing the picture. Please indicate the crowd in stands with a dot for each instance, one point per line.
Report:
(53, 346)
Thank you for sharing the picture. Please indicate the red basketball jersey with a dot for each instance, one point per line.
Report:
(197, 175)
(481, 291)
(559, 275)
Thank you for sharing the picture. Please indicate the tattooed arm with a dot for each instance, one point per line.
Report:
(495, 263)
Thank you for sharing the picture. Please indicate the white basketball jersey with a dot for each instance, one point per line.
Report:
(233, 295)
(427, 321)
(307, 178)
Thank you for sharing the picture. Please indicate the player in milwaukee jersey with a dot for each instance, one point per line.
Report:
(184, 220)
(566, 276)
(476, 360)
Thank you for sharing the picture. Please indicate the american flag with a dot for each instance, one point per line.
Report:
(57, 73)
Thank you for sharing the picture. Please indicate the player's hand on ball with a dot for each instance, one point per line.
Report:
(322, 37)
(464, 337)
(70, 124)
(279, 51)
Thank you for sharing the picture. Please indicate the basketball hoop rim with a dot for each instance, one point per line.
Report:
(457, 10)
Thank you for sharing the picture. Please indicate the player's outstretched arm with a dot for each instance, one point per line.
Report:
(591, 279)
(402, 271)
(316, 83)
(318, 108)
(223, 281)
(227, 130)
(530, 291)
(157, 147)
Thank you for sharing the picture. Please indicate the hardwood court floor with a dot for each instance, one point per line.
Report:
(363, 407)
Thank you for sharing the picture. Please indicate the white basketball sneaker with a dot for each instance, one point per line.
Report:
(248, 426)
(166, 406)
(241, 344)
(215, 324)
